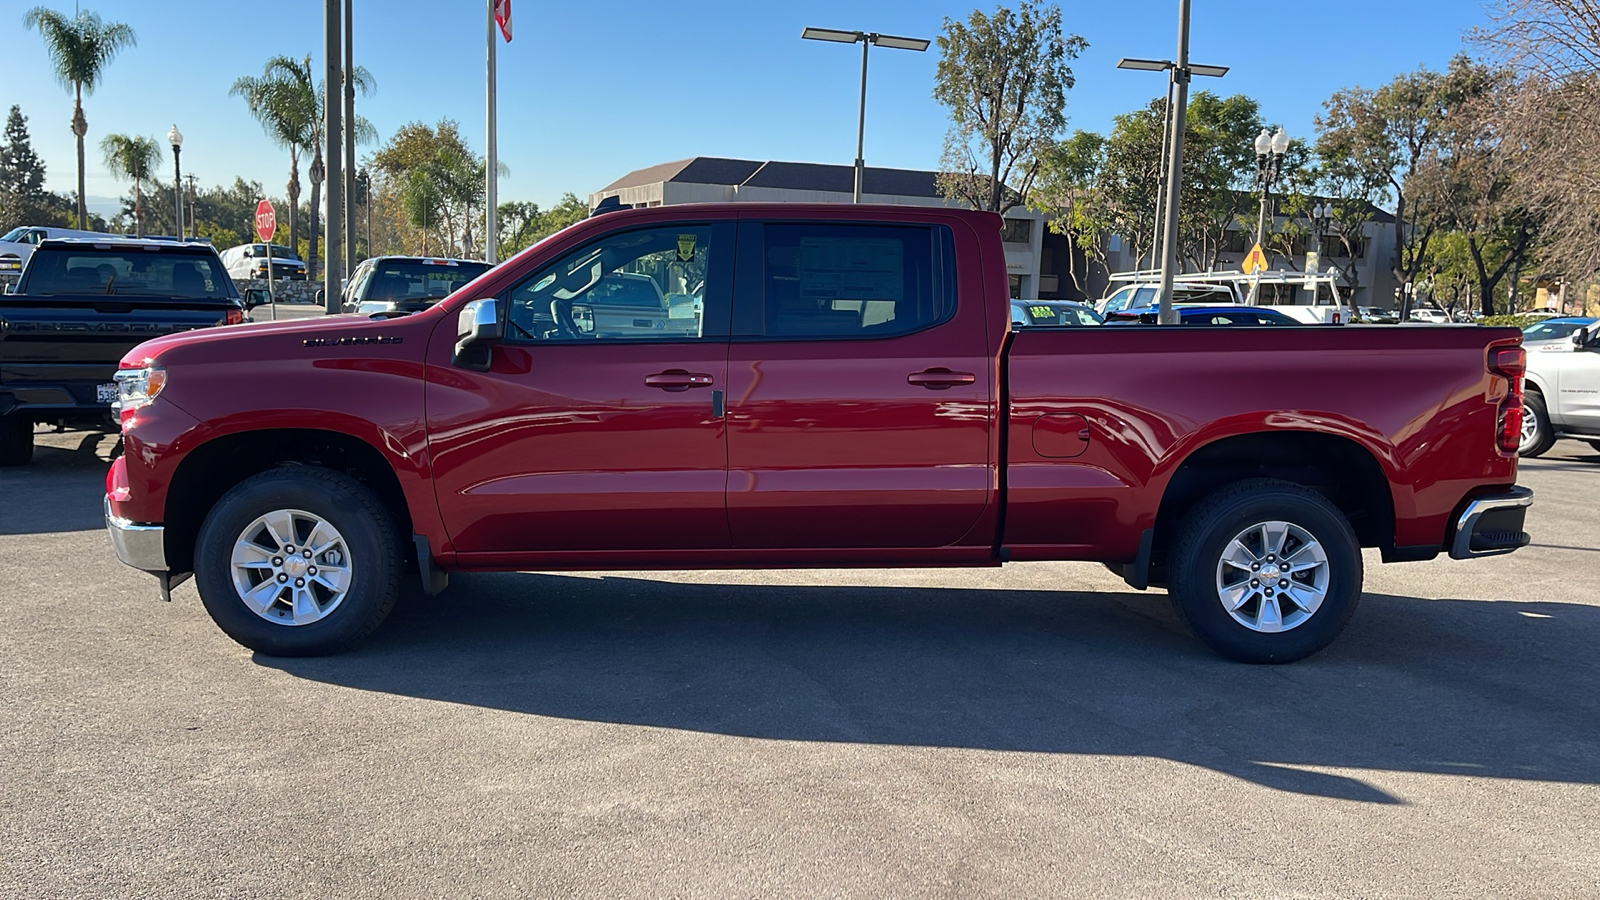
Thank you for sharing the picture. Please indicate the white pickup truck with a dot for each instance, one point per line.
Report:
(1563, 391)
(1323, 303)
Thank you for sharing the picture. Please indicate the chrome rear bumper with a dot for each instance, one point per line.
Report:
(140, 546)
(1492, 525)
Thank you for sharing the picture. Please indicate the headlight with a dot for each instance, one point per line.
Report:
(136, 388)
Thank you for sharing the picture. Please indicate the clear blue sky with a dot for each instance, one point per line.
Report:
(592, 90)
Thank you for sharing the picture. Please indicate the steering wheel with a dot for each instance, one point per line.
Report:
(561, 312)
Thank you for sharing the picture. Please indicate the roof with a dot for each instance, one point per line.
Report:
(795, 176)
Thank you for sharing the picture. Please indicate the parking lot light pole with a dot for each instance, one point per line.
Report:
(866, 39)
(175, 138)
(1179, 72)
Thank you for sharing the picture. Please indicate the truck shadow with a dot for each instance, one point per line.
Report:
(61, 490)
(1499, 690)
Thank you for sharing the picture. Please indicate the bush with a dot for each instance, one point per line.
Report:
(1509, 321)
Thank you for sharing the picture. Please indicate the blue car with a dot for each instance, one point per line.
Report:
(1204, 315)
(1554, 329)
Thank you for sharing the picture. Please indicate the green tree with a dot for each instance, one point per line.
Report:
(1395, 136)
(133, 158)
(80, 49)
(437, 180)
(21, 170)
(287, 100)
(1004, 78)
(1068, 189)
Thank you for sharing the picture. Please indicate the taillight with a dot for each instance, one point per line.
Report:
(1510, 363)
(234, 317)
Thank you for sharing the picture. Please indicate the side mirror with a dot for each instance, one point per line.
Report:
(477, 329)
(254, 297)
(583, 319)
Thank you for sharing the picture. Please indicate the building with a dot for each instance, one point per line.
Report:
(1030, 249)
(1041, 264)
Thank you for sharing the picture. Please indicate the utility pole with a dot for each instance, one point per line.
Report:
(333, 133)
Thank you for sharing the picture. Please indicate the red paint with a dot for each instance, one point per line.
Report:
(864, 452)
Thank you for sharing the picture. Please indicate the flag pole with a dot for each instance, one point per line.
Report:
(491, 240)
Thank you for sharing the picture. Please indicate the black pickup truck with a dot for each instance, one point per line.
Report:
(78, 307)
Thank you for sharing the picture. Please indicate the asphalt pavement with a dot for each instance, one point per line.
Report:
(1038, 730)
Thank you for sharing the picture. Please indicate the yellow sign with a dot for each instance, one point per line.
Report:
(686, 247)
(1255, 262)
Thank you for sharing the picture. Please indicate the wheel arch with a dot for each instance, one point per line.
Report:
(213, 468)
(1339, 467)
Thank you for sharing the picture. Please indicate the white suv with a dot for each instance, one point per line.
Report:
(1563, 392)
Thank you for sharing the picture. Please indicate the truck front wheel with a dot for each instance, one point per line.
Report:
(298, 561)
(16, 440)
(1265, 571)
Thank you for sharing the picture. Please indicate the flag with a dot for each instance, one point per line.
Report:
(502, 17)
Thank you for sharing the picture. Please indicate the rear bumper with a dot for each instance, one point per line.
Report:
(1492, 525)
(140, 546)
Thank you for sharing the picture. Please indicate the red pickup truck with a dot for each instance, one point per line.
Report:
(811, 386)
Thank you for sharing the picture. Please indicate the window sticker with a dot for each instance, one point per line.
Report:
(852, 268)
(686, 247)
(1042, 312)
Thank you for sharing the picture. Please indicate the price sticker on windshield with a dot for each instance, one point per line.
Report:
(1042, 312)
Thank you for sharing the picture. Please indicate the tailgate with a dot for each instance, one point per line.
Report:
(75, 343)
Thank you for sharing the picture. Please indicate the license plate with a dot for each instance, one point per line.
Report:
(105, 393)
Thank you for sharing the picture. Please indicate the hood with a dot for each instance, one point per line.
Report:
(278, 341)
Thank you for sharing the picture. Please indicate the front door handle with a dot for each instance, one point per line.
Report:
(678, 380)
(940, 378)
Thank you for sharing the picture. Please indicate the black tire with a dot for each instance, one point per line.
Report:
(16, 440)
(1545, 435)
(375, 559)
(1211, 527)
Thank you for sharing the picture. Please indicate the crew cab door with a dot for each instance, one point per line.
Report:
(1578, 387)
(593, 438)
(860, 388)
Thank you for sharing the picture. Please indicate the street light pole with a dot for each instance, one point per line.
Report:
(175, 138)
(1180, 72)
(861, 125)
(1270, 149)
(333, 162)
(866, 39)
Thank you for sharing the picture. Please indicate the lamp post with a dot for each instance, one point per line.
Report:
(175, 138)
(1269, 164)
(194, 231)
(1179, 72)
(866, 39)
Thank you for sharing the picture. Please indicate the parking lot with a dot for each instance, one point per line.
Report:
(1033, 731)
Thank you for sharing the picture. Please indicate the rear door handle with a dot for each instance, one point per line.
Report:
(940, 378)
(678, 380)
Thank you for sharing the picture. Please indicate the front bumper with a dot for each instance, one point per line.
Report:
(140, 546)
(1492, 525)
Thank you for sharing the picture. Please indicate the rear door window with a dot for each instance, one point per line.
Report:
(843, 280)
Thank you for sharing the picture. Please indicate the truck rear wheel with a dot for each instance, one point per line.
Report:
(16, 440)
(1265, 571)
(298, 561)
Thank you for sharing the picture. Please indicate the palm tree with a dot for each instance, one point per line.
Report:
(79, 48)
(287, 100)
(133, 158)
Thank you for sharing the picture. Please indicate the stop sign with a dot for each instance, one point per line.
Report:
(266, 221)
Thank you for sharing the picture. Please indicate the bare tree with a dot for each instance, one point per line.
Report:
(1554, 47)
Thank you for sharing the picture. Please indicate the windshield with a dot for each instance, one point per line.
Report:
(13, 235)
(1553, 331)
(278, 252)
(134, 272)
(405, 279)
